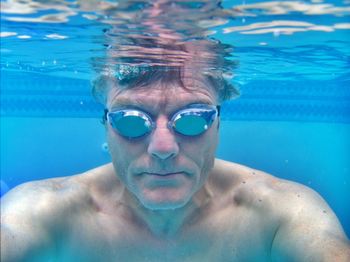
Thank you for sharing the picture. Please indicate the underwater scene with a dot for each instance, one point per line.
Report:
(290, 61)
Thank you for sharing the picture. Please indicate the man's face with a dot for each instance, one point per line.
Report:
(163, 169)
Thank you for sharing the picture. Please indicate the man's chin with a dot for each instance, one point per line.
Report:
(164, 201)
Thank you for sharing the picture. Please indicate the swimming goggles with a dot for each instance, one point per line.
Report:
(193, 120)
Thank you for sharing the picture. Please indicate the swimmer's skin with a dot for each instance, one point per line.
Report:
(211, 210)
(249, 216)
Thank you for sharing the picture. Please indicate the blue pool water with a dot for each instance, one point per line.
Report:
(292, 119)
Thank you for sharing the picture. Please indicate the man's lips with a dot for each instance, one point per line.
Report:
(156, 180)
(163, 174)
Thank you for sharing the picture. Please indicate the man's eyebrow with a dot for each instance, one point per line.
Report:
(198, 101)
(188, 103)
(125, 102)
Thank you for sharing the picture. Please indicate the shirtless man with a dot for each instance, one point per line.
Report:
(165, 197)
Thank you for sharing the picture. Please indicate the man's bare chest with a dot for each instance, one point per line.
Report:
(129, 252)
(221, 241)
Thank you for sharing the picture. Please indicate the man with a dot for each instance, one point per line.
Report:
(165, 197)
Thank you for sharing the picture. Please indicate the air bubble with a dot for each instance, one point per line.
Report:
(104, 147)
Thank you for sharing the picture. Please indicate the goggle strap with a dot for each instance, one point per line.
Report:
(104, 117)
(218, 108)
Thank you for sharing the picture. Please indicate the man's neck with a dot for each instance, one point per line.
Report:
(167, 223)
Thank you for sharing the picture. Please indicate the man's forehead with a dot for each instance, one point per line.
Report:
(167, 99)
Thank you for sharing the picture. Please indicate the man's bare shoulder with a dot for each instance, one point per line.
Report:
(304, 221)
(35, 215)
(255, 188)
(54, 196)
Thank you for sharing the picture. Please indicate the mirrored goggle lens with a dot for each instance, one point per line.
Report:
(131, 126)
(190, 125)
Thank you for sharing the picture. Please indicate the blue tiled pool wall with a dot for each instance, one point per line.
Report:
(36, 95)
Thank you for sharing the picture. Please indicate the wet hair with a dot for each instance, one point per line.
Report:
(201, 60)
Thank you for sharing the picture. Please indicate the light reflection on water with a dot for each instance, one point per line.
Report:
(269, 38)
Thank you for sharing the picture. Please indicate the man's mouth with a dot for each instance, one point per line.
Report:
(164, 174)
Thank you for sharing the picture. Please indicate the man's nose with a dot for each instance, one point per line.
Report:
(163, 144)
